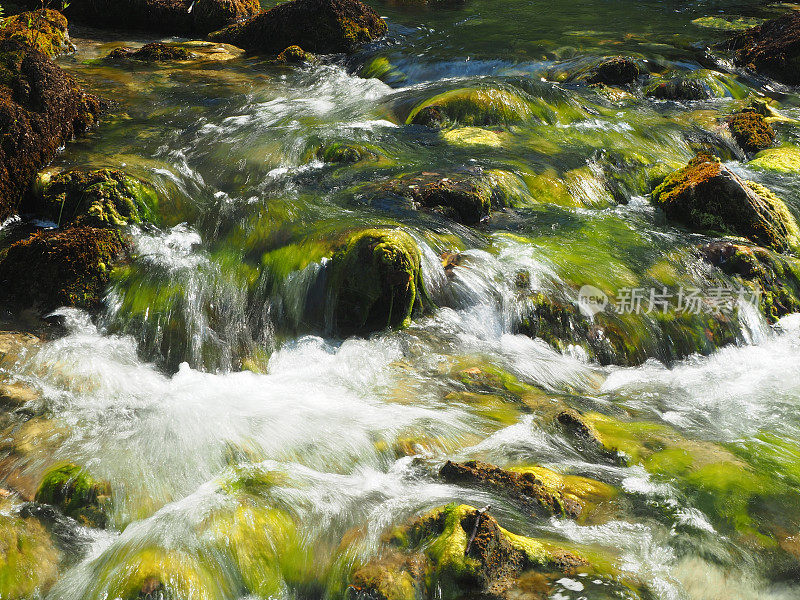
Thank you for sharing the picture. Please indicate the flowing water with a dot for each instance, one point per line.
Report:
(202, 371)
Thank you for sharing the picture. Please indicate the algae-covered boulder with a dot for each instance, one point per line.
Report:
(775, 277)
(472, 106)
(153, 52)
(28, 558)
(168, 16)
(772, 49)
(458, 551)
(44, 30)
(614, 70)
(60, 267)
(701, 84)
(102, 198)
(541, 490)
(779, 160)
(751, 131)
(707, 196)
(346, 153)
(375, 281)
(318, 26)
(76, 493)
(295, 55)
(41, 108)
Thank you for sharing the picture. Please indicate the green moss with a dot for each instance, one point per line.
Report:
(28, 558)
(72, 489)
(44, 29)
(779, 160)
(376, 281)
(153, 52)
(339, 152)
(701, 84)
(751, 131)
(380, 68)
(295, 55)
(103, 198)
(726, 23)
(477, 107)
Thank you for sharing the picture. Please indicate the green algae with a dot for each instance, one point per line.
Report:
(70, 488)
(477, 107)
(784, 160)
(28, 558)
(45, 30)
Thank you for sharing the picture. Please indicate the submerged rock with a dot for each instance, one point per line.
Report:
(102, 198)
(44, 30)
(60, 267)
(701, 84)
(375, 282)
(41, 108)
(295, 55)
(772, 49)
(152, 52)
(168, 16)
(707, 196)
(751, 131)
(471, 106)
(775, 277)
(779, 160)
(339, 152)
(71, 489)
(319, 26)
(458, 551)
(615, 70)
(545, 492)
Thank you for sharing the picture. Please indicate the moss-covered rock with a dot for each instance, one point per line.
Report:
(295, 55)
(541, 490)
(41, 108)
(185, 17)
(375, 281)
(44, 30)
(102, 198)
(775, 277)
(318, 26)
(28, 558)
(77, 494)
(772, 49)
(779, 160)
(472, 106)
(341, 152)
(614, 70)
(706, 196)
(458, 551)
(52, 268)
(751, 131)
(153, 52)
(701, 84)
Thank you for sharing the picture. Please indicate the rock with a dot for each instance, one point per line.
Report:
(44, 30)
(774, 276)
(543, 491)
(184, 17)
(751, 131)
(778, 160)
(102, 198)
(615, 70)
(701, 84)
(339, 152)
(52, 268)
(71, 489)
(41, 108)
(375, 282)
(472, 106)
(707, 196)
(152, 52)
(318, 26)
(14, 395)
(771, 49)
(463, 197)
(295, 55)
(28, 558)
(457, 551)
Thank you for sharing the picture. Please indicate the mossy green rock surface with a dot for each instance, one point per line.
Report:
(77, 494)
(375, 282)
(44, 30)
(28, 558)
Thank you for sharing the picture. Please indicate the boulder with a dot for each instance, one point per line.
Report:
(180, 17)
(44, 29)
(153, 52)
(295, 55)
(28, 558)
(771, 49)
(478, 106)
(614, 70)
(60, 267)
(71, 489)
(751, 131)
(375, 281)
(41, 108)
(101, 198)
(778, 160)
(318, 26)
(707, 196)
(701, 84)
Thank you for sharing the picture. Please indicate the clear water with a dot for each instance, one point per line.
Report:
(153, 396)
